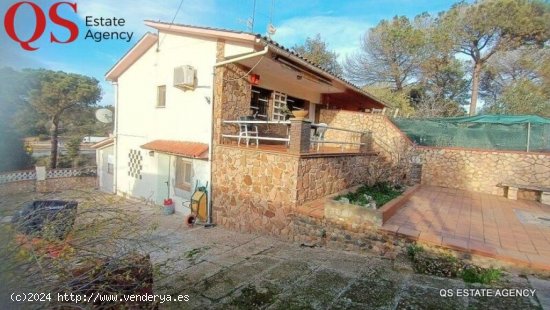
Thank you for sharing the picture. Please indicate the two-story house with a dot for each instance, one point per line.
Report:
(184, 97)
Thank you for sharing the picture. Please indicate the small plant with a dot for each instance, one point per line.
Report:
(414, 249)
(472, 274)
(381, 193)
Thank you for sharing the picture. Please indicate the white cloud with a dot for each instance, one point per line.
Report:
(343, 34)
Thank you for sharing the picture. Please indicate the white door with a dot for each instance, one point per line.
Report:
(163, 178)
(107, 171)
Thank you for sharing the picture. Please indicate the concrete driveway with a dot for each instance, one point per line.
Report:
(221, 269)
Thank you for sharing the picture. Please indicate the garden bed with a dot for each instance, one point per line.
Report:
(343, 211)
(373, 197)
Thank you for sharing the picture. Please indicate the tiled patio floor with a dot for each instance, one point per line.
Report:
(515, 231)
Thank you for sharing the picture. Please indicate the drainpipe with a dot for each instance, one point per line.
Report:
(209, 222)
(115, 172)
(243, 57)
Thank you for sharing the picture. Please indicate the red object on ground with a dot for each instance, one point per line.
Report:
(168, 202)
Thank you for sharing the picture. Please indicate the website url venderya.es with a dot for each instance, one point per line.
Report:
(96, 297)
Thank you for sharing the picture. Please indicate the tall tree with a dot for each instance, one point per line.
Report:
(482, 29)
(316, 50)
(441, 87)
(13, 88)
(388, 55)
(517, 82)
(59, 92)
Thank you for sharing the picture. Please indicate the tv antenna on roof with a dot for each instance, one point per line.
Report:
(104, 115)
(270, 28)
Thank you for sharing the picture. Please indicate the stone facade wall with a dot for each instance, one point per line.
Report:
(481, 171)
(386, 136)
(254, 191)
(323, 176)
(49, 185)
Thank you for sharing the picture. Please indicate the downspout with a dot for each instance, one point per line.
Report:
(115, 176)
(209, 222)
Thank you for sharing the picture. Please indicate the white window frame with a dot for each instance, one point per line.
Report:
(184, 184)
(279, 104)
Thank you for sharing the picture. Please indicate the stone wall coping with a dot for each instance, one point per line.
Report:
(296, 155)
(386, 119)
(449, 148)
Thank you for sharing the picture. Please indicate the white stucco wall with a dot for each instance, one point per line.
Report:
(186, 117)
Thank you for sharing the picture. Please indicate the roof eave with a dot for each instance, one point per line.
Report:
(148, 40)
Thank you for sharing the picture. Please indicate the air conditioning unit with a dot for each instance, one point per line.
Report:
(185, 77)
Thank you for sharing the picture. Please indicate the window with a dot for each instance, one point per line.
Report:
(110, 168)
(259, 101)
(161, 96)
(184, 174)
(279, 106)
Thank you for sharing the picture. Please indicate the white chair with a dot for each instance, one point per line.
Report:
(319, 134)
(246, 131)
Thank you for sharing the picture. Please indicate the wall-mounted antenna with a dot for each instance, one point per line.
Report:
(270, 28)
(253, 16)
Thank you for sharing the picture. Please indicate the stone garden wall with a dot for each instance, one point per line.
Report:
(467, 169)
(481, 170)
(322, 176)
(386, 136)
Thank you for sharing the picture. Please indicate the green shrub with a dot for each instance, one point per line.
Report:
(472, 273)
(443, 265)
(413, 249)
(380, 192)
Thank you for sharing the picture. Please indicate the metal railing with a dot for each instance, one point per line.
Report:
(315, 139)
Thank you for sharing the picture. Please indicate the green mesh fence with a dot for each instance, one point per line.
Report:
(482, 132)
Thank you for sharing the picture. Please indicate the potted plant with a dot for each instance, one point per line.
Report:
(169, 206)
(300, 113)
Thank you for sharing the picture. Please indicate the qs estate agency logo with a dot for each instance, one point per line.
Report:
(43, 16)
(40, 23)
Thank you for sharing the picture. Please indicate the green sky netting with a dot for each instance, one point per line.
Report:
(500, 132)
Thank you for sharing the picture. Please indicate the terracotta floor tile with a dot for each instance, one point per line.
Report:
(480, 223)
(411, 233)
(390, 228)
(455, 243)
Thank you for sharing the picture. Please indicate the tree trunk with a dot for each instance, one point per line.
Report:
(54, 132)
(475, 88)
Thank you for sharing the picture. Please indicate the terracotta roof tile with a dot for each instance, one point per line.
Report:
(179, 148)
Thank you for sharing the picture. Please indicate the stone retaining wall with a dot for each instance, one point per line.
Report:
(258, 191)
(467, 169)
(322, 176)
(481, 170)
(386, 136)
(318, 232)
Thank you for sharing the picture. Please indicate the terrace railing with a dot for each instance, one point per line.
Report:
(332, 136)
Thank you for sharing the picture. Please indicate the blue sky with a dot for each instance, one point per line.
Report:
(340, 23)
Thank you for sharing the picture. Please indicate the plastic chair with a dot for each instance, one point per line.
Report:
(246, 131)
(319, 134)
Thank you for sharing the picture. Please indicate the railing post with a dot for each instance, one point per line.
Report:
(366, 142)
(300, 135)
